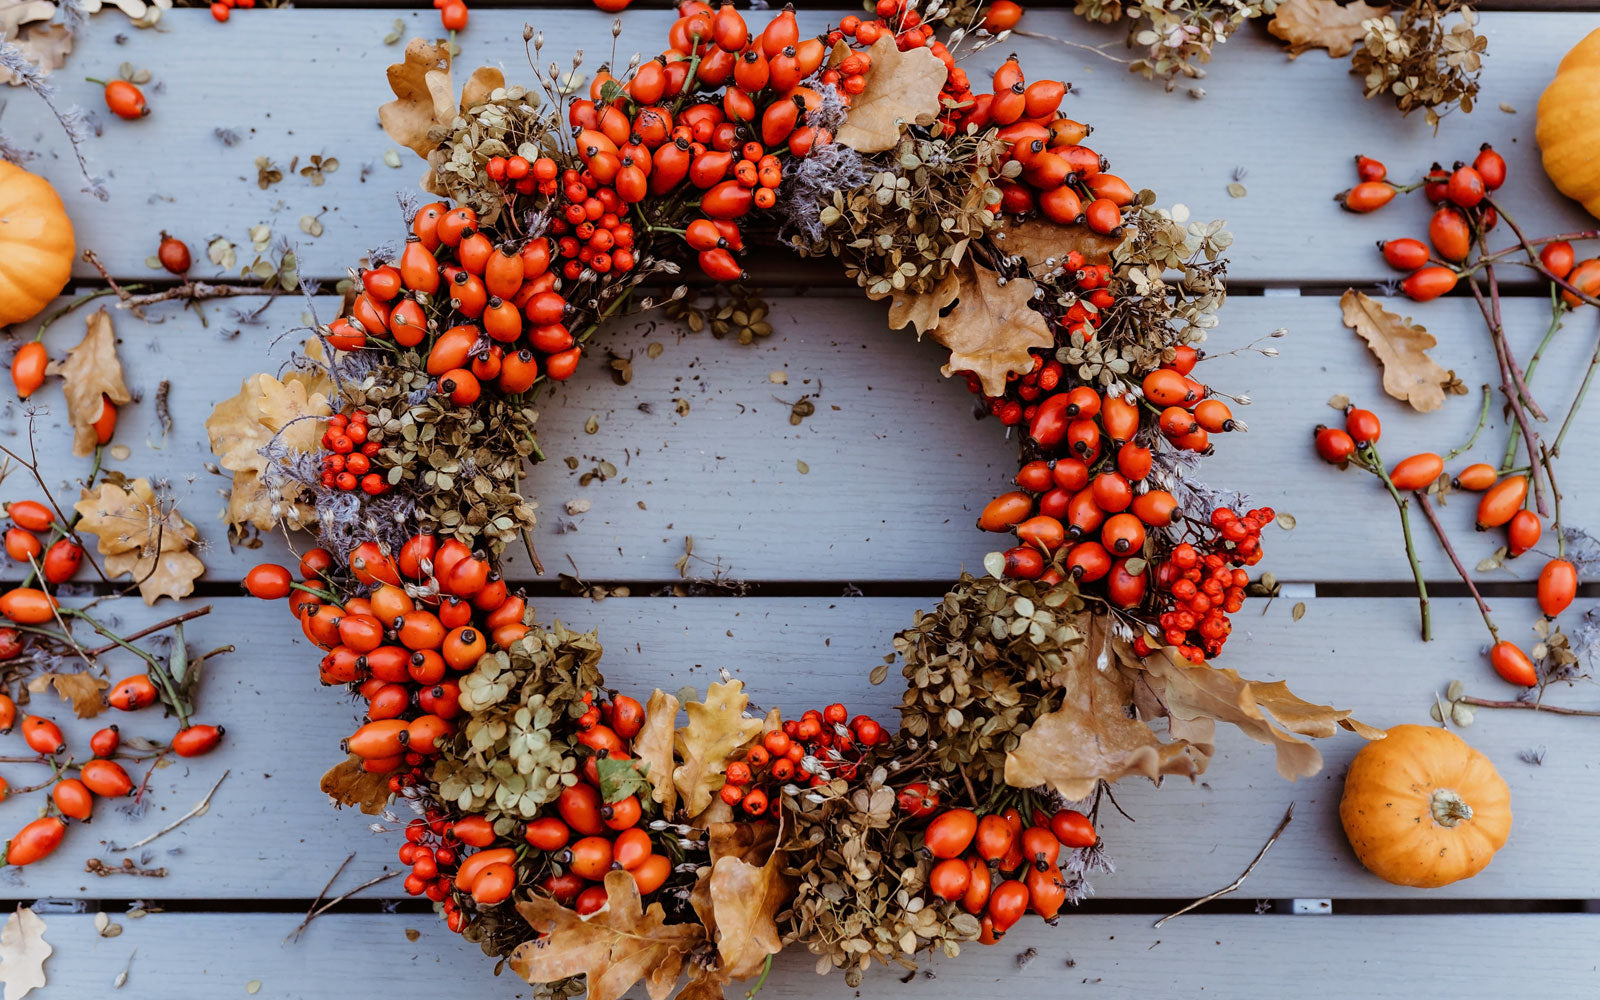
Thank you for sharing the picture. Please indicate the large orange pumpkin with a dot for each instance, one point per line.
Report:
(1569, 124)
(36, 244)
(1422, 808)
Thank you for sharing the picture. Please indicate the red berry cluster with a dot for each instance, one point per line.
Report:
(1204, 585)
(223, 9)
(349, 447)
(589, 230)
(808, 751)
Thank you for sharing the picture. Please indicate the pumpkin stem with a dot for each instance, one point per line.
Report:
(1449, 808)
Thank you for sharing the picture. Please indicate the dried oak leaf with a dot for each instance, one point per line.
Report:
(92, 373)
(23, 951)
(613, 948)
(349, 784)
(159, 574)
(144, 15)
(1268, 713)
(991, 329)
(653, 745)
(921, 310)
(1401, 346)
(902, 87)
(1039, 240)
(1322, 24)
(717, 728)
(83, 689)
(245, 423)
(45, 45)
(136, 536)
(1091, 738)
(745, 889)
(424, 96)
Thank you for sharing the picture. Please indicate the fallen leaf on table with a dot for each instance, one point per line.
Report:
(717, 728)
(247, 422)
(1322, 24)
(83, 689)
(349, 784)
(139, 536)
(991, 329)
(653, 745)
(902, 87)
(92, 373)
(612, 948)
(159, 574)
(45, 45)
(23, 951)
(1401, 346)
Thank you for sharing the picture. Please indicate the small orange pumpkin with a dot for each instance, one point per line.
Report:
(1569, 124)
(36, 244)
(1422, 808)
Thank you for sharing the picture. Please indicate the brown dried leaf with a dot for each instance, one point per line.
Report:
(484, 81)
(424, 96)
(131, 520)
(83, 689)
(653, 745)
(901, 87)
(746, 889)
(241, 425)
(45, 45)
(717, 728)
(1401, 346)
(1038, 240)
(1090, 738)
(921, 311)
(91, 372)
(991, 328)
(348, 784)
(613, 948)
(159, 574)
(23, 951)
(1322, 24)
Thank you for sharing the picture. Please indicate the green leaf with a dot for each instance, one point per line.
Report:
(622, 778)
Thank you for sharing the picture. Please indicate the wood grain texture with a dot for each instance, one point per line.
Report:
(898, 469)
(1289, 231)
(271, 834)
(1239, 957)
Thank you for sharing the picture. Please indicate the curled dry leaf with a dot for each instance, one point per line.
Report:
(746, 888)
(143, 15)
(1043, 244)
(991, 329)
(424, 96)
(902, 88)
(653, 745)
(717, 728)
(242, 425)
(83, 689)
(23, 951)
(613, 948)
(1322, 24)
(138, 537)
(46, 45)
(921, 311)
(1401, 346)
(349, 784)
(91, 374)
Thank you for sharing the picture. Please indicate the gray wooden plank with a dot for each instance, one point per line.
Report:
(900, 469)
(199, 188)
(270, 833)
(1241, 957)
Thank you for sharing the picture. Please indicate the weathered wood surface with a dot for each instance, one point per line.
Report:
(898, 472)
(271, 834)
(1239, 957)
(170, 171)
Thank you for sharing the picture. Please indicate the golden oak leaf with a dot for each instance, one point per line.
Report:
(424, 96)
(349, 784)
(1322, 24)
(1091, 738)
(91, 373)
(1044, 244)
(1401, 346)
(746, 888)
(485, 80)
(158, 574)
(991, 329)
(23, 951)
(613, 948)
(45, 45)
(921, 310)
(83, 689)
(717, 728)
(132, 520)
(245, 423)
(653, 745)
(902, 88)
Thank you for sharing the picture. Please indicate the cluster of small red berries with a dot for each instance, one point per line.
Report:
(223, 9)
(811, 750)
(589, 229)
(1205, 587)
(523, 175)
(350, 447)
(430, 847)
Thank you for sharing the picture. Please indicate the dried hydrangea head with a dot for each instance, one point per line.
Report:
(1422, 58)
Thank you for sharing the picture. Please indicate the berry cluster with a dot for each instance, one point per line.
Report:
(1204, 585)
(811, 750)
(223, 9)
(997, 866)
(350, 446)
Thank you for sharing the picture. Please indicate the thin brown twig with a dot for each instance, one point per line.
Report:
(1455, 560)
(1513, 400)
(1236, 883)
(189, 291)
(325, 907)
(1532, 706)
(322, 894)
(199, 809)
(95, 866)
(157, 627)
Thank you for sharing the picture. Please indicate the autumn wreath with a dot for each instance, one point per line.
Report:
(579, 832)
